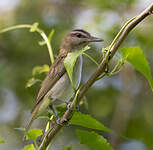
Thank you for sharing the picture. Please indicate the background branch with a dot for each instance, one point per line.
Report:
(101, 68)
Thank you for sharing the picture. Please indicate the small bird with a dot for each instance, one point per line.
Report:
(56, 86)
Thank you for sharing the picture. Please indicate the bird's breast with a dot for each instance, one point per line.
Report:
(63, 89)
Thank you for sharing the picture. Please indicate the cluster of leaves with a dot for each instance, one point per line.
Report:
(32, 135)
(90, 138)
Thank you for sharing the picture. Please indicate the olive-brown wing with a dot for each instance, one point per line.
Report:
(55, 73)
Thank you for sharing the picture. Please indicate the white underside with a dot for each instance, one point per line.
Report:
(63, 90)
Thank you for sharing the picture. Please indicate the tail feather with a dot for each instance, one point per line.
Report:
(32, 118)
(38, 109)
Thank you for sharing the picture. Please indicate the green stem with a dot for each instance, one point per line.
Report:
(94, 61)
(49, 47)
(48, 123)
(115, 68)
(15, 27)
(43, 35)
(101, 76)
(75, 98)
(117, 36)
(113, 72)
(122, 29)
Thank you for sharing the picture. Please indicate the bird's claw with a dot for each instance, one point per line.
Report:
(69, 105)
(58, 121)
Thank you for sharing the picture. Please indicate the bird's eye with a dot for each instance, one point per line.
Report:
(79, 35)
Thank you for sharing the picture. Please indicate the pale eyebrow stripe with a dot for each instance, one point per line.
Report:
(82, 31)
(86, 35)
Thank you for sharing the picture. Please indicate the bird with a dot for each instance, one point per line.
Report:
(56, 85)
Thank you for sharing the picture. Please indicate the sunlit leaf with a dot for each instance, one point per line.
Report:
(86, 120)
(31, 82)
(135, 56)
(93, 140)
(40, 69)
(70, 61)
(29, 147)
(33, 134)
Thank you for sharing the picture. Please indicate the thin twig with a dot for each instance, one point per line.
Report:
(41, 32)
(97, 73)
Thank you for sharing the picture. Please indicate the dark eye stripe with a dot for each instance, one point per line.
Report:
(80, 35)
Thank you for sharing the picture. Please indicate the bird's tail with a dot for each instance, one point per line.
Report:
(32, 118)
(38, 109)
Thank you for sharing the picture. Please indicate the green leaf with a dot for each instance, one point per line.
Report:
(34, 27)
(94, 140)
(33, 134)
(70, 61)
(29, 147)
(31, 82)
(86, 120)
(135, 56)
(40, 69)
(20, 129)
(2, 141)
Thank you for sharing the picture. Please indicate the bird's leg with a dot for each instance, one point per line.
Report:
(54, 111)
(56, 114)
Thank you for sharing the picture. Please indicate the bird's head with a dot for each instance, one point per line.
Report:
(77, 38)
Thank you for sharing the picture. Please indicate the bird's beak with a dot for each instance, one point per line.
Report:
(95, 39)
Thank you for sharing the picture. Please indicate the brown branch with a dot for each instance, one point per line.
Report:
(101, 68)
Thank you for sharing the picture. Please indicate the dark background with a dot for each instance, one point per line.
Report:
(123, 102)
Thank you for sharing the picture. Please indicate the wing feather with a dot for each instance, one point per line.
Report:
(55, 73)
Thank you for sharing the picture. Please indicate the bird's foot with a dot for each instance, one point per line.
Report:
(58, 121)
(61, 121)
(69, 105)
